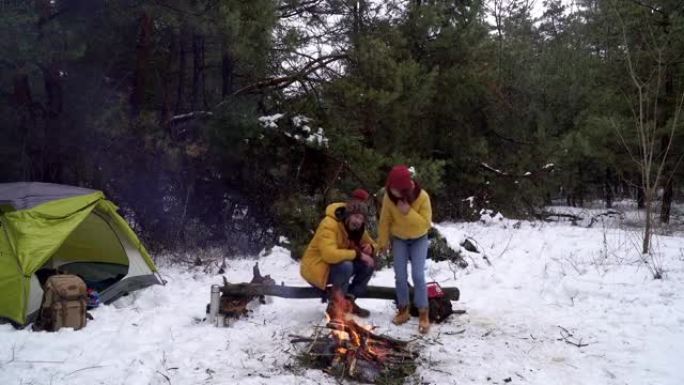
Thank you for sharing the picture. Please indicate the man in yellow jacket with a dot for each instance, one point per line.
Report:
(341, 251)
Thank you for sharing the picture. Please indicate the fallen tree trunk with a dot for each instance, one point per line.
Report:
(256, 289)
(265, 285)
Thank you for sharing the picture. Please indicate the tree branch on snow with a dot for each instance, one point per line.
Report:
(567, 337)
(546, 215)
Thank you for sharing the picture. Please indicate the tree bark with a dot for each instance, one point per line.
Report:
(198, 100)
(23, 102)
(143, 50)
(666, 206)
(165, 113)
(53, 155)
(646, 244)
(180, 90)
(21, 95)
(53, 89)
(640, 198)
(608, 189)
(669, 107)
(580, 186)
(227, 69)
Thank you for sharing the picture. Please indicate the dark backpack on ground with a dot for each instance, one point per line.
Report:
(64, 303)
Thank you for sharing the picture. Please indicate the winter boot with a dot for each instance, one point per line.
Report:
(359, 311)
(424, 320)
(402, 316)
(356, 309)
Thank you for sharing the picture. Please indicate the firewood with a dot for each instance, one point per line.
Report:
(349, 326)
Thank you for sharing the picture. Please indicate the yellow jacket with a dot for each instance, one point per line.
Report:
(413, 225)
(330, 245)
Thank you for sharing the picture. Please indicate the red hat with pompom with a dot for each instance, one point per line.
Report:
(400, 178)
(360, 194)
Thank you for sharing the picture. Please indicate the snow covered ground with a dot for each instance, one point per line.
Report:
(623, 214)
(544, 282)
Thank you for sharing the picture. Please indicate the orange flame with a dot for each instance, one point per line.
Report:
(349, 335)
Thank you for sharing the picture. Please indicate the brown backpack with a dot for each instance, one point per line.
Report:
(64, 303)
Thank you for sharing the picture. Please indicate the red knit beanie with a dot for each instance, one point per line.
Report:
(399, 178)
(360, 194)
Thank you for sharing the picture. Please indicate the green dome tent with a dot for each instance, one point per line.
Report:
(47, 226)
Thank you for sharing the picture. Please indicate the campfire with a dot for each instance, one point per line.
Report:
(345, 348)
(341, 347)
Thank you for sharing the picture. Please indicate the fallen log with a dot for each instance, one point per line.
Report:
(302, 292)
(236, 305)
(260, 286)
(235, 298)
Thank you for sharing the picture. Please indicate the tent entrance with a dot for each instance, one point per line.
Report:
(96, 275)
(92, 251)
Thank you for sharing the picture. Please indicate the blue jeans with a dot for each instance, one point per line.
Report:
(414, 250)
(357, 271)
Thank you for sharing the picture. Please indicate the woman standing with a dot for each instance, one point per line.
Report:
(405, 218)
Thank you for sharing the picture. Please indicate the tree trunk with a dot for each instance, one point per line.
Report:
(669, 103)
(666, 206)
(180, 90)
(165, 113)
(640, 198)
(197, 101)
(23, 102)
(21, 95)
(54, 158)
(648, 203)
(142, 57)
(608, 190)
(53, 89)
(227, 69)
(580, 186)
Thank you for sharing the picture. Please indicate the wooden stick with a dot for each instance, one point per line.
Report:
(359, 330)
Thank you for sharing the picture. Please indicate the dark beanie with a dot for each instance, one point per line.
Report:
(399, 178)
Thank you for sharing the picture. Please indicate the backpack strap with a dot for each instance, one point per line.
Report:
(83, 312)
(64, 310)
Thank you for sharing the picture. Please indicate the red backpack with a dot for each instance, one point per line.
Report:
(439, 305)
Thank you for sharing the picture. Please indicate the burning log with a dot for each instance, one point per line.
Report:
(354, 351)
